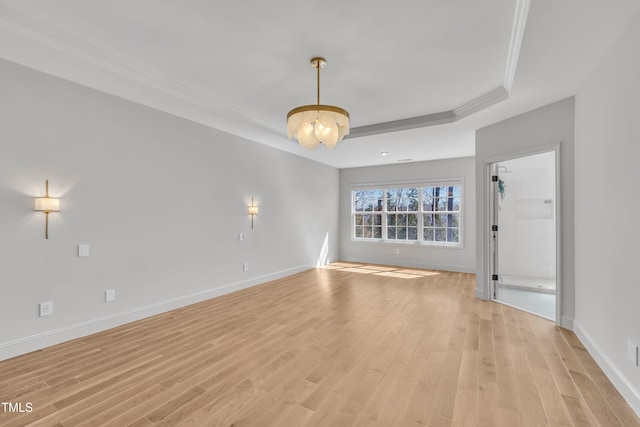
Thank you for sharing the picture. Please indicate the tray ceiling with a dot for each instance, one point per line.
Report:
(418, 77)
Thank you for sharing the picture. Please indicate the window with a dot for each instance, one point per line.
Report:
(429, 213)
(441, 214)
(367, 206)
(402, 219)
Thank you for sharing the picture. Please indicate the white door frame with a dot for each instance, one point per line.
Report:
(488, 205)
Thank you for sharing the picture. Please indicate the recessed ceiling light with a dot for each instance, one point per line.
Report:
(384, 153)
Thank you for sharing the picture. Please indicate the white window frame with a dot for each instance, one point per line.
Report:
(365, 212)
(386, 214)
(420, 185)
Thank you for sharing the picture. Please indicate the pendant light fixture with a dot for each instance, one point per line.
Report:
(315, 124)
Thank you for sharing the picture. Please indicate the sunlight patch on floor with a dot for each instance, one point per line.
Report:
(398, 275)
(380, 270)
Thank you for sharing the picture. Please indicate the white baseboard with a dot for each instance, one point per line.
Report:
(566, 323)
(41, 340)
(626, 389)
(480, 294)
(402, 263)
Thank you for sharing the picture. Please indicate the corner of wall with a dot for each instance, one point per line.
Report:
(567, 323)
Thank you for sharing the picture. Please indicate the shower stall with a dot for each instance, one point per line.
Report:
(524, 235)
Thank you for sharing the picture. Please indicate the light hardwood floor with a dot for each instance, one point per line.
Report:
(340, 346)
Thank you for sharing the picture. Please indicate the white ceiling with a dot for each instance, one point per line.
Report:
(241, 66)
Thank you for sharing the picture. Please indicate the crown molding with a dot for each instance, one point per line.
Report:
(515, 43)
(403, 124)
(480, 103)
(24, 25)
(464, 110)
(477, 104)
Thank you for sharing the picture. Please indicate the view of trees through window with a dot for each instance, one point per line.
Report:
(426, 213)
(368, 219)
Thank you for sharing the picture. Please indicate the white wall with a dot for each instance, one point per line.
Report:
(411, 254)
(527, 220)
(608, 201)
(515, 137)
(160, 200)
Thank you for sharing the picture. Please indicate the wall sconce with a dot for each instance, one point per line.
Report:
(47, 204)
(253, 211)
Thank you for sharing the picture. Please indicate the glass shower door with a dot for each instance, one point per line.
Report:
(524, 233)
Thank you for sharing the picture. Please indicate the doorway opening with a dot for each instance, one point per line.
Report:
(524, 233)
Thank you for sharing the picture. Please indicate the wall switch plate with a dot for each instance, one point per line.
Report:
(632, 352)
(245, 266)
(46, 308)
(109, 295)
(83, 251)
(241, 237)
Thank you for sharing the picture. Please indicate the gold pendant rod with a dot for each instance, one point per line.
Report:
(46, 214)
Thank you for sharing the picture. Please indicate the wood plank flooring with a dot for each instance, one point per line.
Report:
(345, 345)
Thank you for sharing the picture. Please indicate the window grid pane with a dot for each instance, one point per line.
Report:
(367, 201)
(367, 225)
(435, 209)
(402, 226)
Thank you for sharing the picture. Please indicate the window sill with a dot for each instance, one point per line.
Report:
(411, 243)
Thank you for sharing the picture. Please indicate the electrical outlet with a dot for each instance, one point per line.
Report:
(632, 352)
(109, 295)
(245, 266)
(46, 308)
(398, 251)
(241, 237)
